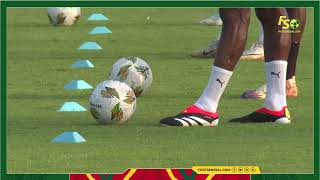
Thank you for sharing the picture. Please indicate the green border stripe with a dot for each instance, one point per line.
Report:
(3, 91)
(160, 3)
(4, 5)
(316, 90)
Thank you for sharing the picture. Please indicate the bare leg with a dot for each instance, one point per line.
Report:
(291, 86)
(299, 14)
(232, 43)
(277, 46)
(233, 37)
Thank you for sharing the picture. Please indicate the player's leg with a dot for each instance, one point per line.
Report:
(231, 45)
(300, 15)
(291, 87)
(277, 46)
(233, 36)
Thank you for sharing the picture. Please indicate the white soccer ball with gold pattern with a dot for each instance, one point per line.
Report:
(112, 102)
(65, 16)
(133, 71)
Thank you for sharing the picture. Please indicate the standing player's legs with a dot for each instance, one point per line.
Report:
(291, 87)
(300, 15)
(231, 45)
(277, 46)
(233, 37)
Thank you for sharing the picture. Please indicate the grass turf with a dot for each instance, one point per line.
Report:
(39, 57)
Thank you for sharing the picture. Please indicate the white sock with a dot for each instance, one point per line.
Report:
(261, 35)
(210, 97)
(276, 85)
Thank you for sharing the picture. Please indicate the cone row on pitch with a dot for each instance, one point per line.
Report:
(69, 137)
(90, 46)
(97, 17)
(75, 137)
(82, 64)
(71, 107)
(100, 30)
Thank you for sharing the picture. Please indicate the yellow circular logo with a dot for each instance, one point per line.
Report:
(294, 24)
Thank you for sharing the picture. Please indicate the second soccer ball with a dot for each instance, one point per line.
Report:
(133, 71)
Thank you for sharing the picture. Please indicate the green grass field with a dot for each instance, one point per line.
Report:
(39, 60)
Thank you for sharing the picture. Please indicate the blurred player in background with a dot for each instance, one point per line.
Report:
(254, 53)
(213, 20)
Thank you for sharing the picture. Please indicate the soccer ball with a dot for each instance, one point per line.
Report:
(133, 71)
(294, 24)
(66, 16)
(112, 102)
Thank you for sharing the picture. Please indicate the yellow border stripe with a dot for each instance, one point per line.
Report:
(90, 177)
(130, 173)
(209, 177)
(171, 174)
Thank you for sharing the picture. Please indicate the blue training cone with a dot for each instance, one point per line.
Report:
(82, 64)
(100, 30)
(71, 107)
(77, 84)
(97, 17)
(69, 137)
(90, 46)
